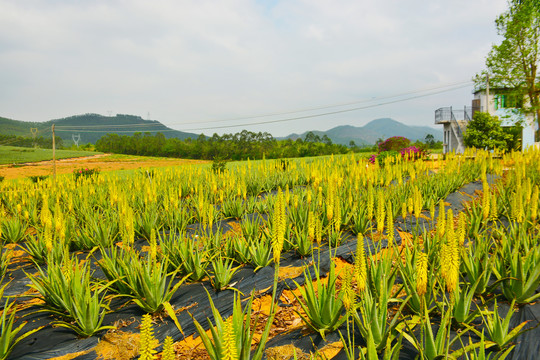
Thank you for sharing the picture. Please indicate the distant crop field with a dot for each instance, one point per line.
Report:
(17, 155)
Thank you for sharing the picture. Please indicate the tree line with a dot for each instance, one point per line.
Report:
(22, 141)
(239, 146)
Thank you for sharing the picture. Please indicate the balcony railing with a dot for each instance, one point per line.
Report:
(448, 114)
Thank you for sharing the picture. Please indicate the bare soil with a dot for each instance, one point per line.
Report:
(103, 162)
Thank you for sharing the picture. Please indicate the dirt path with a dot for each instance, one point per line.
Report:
(104, 162)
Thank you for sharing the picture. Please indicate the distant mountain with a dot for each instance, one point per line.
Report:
(91, 127)
(377, 129)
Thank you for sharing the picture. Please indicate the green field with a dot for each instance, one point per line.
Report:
(17, 155)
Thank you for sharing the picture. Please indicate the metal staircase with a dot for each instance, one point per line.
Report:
(455, 125)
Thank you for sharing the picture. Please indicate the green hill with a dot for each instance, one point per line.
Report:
(91, 127)
(18, 128)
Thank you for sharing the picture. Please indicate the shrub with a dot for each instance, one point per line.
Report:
(395, 143)
(219, 165)
(86, 172)
(37, 178)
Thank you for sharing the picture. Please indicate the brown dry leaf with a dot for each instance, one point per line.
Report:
(118, 345)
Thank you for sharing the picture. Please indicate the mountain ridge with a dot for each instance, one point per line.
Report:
(93, 126)
(374, 130)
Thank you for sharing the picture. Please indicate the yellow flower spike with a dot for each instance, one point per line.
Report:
(349, 297)
(404, 210)
(319, 197)
(445, 258)
(360, 266)
(279, 226)
(380, 212)
(147, 342)
(462, 228)
(441, 222)
(513, 207)
(318, 231)
(229, 351)
(493, 210)
(311, 226)
(421, 274)
(390, 225)
(153, 244)
(337, 216)
(534, 203)
(486, 201)
(410, 205)
(370, 202)
(432, 211)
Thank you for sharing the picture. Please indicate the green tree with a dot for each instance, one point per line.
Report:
(514, 63)
(430, 141)
(485, 131)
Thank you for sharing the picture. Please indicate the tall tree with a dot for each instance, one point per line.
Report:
(514, 63)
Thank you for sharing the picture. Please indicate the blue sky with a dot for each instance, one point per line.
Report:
(191, 64)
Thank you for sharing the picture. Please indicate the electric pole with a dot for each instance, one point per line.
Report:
(54, 154)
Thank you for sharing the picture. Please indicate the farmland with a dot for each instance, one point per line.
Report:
(17, 155)
(332, 257)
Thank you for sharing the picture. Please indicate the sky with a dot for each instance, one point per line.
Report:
(220, 66)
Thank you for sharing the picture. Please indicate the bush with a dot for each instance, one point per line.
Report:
(395, 143)
(219, 165)
(37, 178)
(84, 172)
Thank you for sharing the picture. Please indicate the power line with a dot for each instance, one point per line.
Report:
(119, 126)
(298, 117)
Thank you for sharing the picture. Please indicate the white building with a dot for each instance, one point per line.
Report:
(499, 102)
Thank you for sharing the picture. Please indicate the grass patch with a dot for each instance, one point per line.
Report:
(17, 155)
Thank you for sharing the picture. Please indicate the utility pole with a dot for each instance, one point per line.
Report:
(34, 134)
(487, 93)
(54, 154)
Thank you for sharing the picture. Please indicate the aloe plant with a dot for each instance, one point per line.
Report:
(478, 264)
(221, 273)
(150, 283)
(13, 230)
(251, 228)
(146, 221)
(115, 264)
(8, 333)
(322, 304)
(359, 222)
(240, 249)
(372, 319)
(433, 347)
(232, 338)
(301, 241)
(260, 253)
(463, 300)
(519, 274)
(186, 255)
(87, 304)
(233, 208)
(408, 270)
(5, 255)
(68, 291)
(498, 328)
